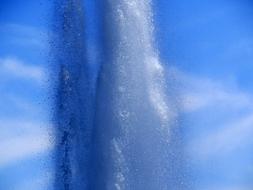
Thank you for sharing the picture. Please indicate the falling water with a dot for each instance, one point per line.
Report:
(133, 118)
(73, 110)
(123, 139)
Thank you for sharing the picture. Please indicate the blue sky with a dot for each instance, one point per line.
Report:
(24, 113)
(205, 45)
(209, 46)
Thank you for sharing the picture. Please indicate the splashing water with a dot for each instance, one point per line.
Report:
(122, 139)
(133, 118)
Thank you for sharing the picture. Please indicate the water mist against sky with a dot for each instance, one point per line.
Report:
(205, 51)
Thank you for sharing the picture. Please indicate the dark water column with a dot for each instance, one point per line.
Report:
(73, 102)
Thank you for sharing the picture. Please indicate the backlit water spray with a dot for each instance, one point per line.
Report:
(121, 136)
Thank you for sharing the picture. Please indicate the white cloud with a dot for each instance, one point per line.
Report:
(21, 140)
(25, 139)
(23, 147)
(200, 95)
(13, 67)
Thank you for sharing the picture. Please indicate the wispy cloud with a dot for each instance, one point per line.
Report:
(202, 95)
(25, 35)
(14, 67)
(23, 147)
(199, 93)
(227, 138)
(23, 140)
